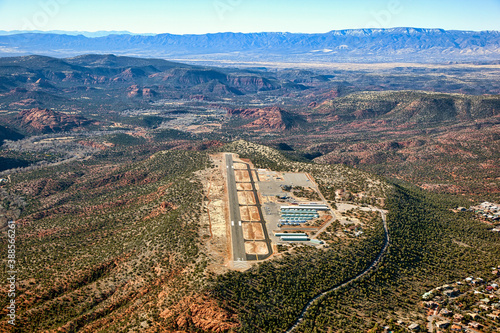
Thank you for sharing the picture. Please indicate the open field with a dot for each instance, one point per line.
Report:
(242, 176)
(254, 213)
(249, 213)
(253, 231)
(244, 187)
(244, 214)
(259, 248)
(246, 198)
(214, 221)
(240, 166)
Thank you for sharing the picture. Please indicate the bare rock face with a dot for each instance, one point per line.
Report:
(43, 84)
(200, 312)
(251, 83)
(136, 91)
(39, 120)
(268, 118)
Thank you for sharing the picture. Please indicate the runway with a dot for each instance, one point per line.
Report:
(237, 239)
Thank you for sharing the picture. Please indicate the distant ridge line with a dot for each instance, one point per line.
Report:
(103, 33)
(404, 44)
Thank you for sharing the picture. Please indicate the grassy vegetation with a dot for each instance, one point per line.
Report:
(125, 139)
(270, 297)
(109, 242)
(145, 121)
(412, 106)
(307, 193)
(112, 244)
(427, 249)
(101, 240)
(430, 246)
(172, 134)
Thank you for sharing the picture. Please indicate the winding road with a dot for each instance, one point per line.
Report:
(372, 267)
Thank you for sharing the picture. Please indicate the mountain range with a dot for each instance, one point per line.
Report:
(100, 33)
(355, 45)
(39, 79)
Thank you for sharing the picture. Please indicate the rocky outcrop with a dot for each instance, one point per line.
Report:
(136, 91)
(232, 83)
(201, 312)
(251, 83)
(268, 118)
(39, 120)
(42, 84)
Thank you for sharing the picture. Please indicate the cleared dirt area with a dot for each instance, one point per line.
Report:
(249, 213)
(253, 231)
(244, 187)
(246, 198)
(256, 248)
(254, 213)
(242, 176)
(244, 213)
(213, 231)
(240, 166)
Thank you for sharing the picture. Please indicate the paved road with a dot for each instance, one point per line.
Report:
(234, 213)
(373, 265)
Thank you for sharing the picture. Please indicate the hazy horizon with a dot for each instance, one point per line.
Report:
(110, 32)
(202, 17)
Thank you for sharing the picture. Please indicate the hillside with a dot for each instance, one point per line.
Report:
(118, 242)
(395, 44)
(413, 107)
(112, 243)
(143, 188)
(430, 246)
(425, 251)
(8, 134)
(119, 237)
(267, 119)
(426, 240)
(44, 81)
(48, 121)
(365, 117)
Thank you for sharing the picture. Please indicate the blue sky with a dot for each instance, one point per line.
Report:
(208, 16)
